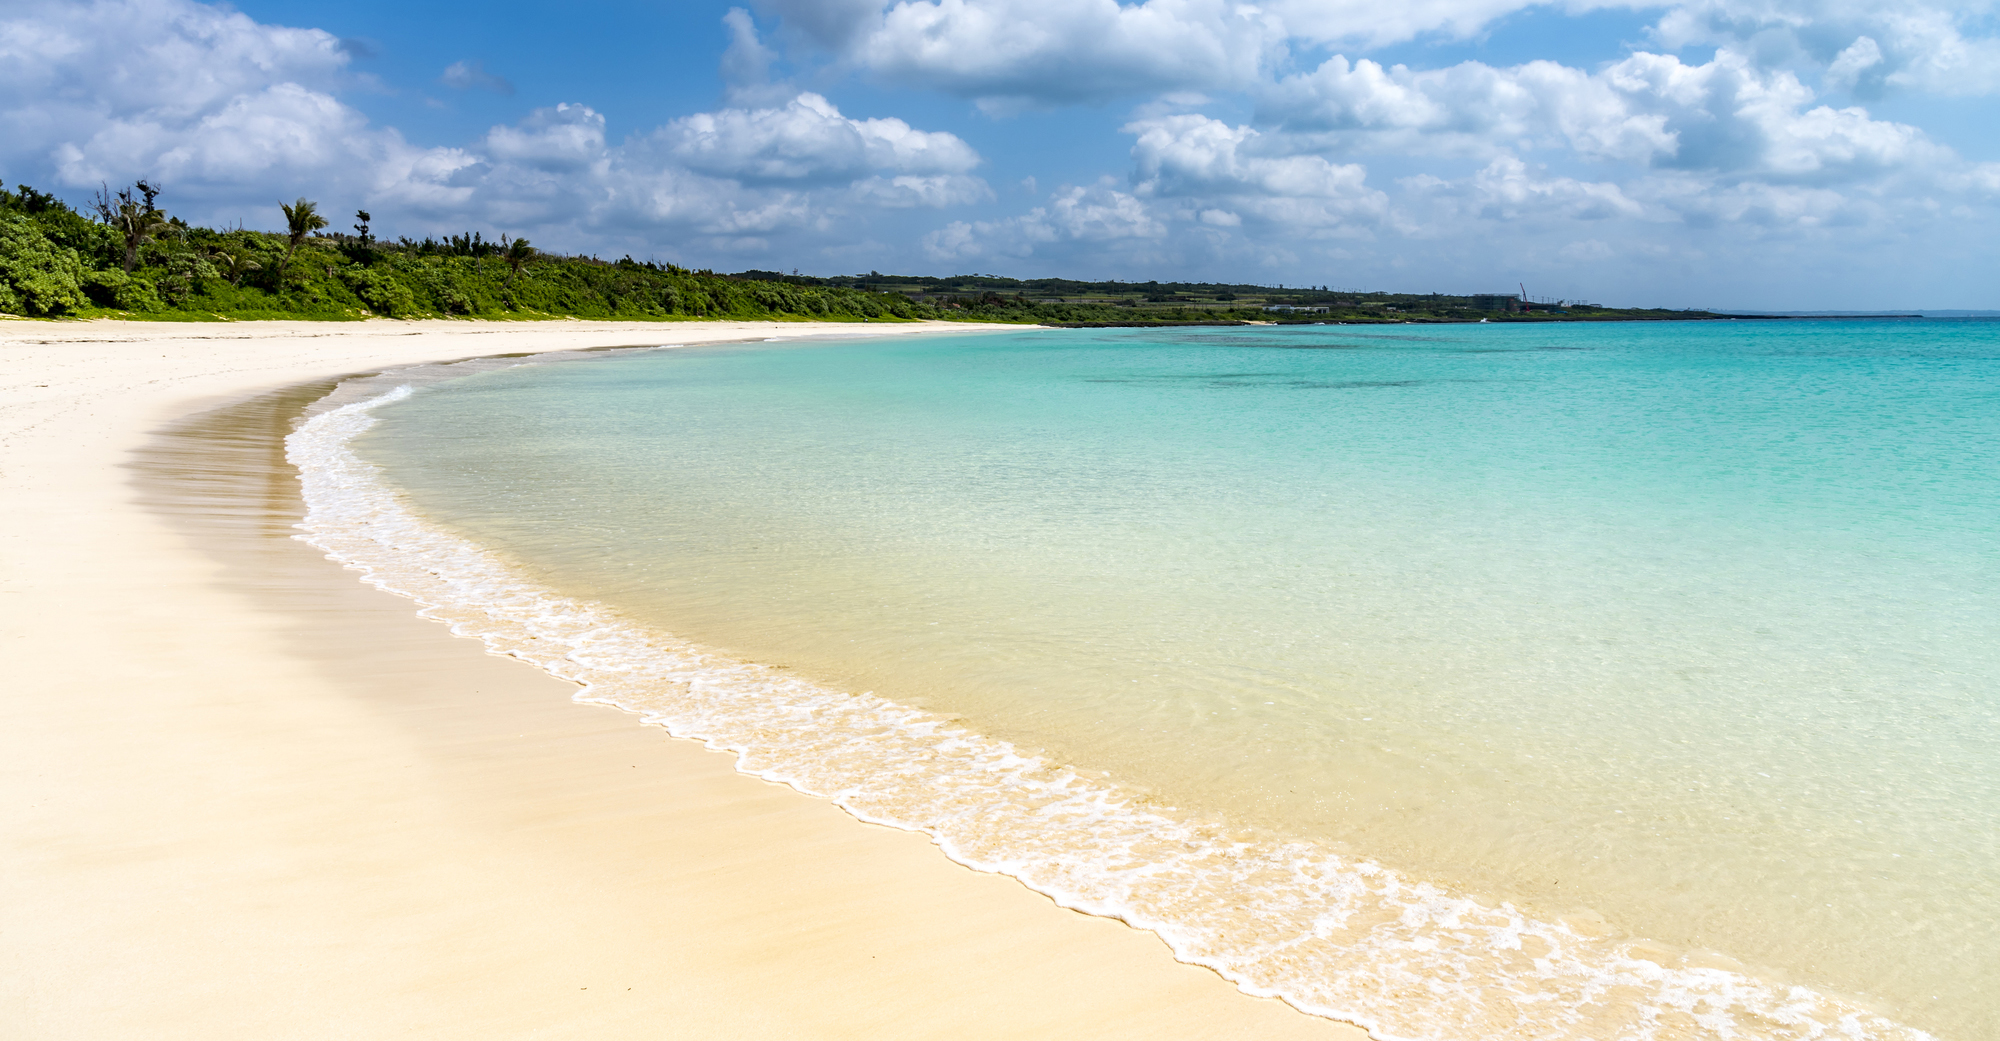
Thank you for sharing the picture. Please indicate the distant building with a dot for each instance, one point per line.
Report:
(1297, 308)
(1495, 302)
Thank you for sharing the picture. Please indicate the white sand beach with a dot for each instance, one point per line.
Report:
(249, 797)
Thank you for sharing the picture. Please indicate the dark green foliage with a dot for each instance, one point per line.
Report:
(63, 226)
(132, 217)
(37, 276)
(117, 291)
(383, 293)
(57, 262)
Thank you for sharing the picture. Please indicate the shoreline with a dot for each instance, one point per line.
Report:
(256, 796)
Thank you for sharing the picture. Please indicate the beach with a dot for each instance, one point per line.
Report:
(250, 796)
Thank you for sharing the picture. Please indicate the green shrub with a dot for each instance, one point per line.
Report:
(116, 289)
(380, 290)
(37, 277)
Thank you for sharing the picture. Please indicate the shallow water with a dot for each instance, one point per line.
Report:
(1623, 647)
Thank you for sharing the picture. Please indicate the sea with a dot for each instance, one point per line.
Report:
(1556, 681)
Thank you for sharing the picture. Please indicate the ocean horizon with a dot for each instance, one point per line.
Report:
(1608, 680)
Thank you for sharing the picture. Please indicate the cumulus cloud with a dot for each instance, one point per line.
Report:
(1219, 174)
(1470, 107)
(565, 137)
(173, 57)
(284, 135)
(1724, 115)
(807, 140)
(117, 77)
(1193, 179)
(1869, 47)
(1009, 53)
(1509, 190)
(1094, 216)
(736, 176)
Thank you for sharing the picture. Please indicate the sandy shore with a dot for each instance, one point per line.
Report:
(249, 797)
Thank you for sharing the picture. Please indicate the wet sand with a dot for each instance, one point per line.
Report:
(249, 796)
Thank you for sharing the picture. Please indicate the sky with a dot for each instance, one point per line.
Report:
(1774, 154)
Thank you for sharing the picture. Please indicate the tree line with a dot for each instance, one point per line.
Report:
(123, 253)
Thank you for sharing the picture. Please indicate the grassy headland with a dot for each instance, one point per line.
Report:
(126, 257)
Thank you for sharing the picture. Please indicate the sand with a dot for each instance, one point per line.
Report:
(249, 797)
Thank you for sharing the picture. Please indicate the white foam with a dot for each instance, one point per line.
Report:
(1334, 936)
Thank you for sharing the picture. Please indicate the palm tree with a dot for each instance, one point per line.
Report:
(137, 221)
(518, 252)
(234, 260)
(302, 218)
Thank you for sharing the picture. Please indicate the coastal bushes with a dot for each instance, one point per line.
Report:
(37, 276)
(129, 256)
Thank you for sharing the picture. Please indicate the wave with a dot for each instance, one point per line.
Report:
(1332, 935)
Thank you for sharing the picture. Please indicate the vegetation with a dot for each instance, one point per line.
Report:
(1061, 301)
(302, 219)
(135, 222)
(128, 257)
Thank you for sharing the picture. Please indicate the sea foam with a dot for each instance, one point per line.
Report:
(1332, 935)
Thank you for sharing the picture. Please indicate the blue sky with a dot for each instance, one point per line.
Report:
(1721, 153)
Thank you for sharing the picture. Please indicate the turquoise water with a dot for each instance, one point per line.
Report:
(1681, 637)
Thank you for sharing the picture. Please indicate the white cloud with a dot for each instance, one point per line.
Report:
(1097, 213)
(1196, 155)
(1199, 185)
(1095, 216)
(1467, 107)
(1508, 190)
(809, 141)
(1725, 115)
(1867, 45)
(1220, 174)
(1013, 52)
(1851, 65)
(566, 137)
(171, 57)
(737, 177)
